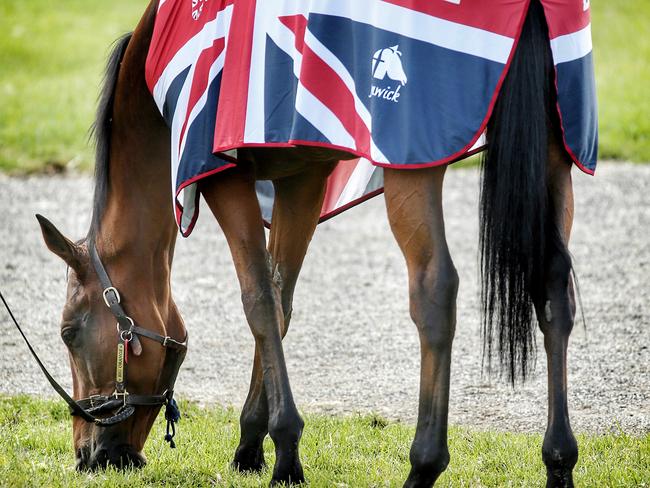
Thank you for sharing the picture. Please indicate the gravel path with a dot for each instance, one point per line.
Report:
(352, 347)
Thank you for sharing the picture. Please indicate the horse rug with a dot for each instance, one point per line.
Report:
(398, 83)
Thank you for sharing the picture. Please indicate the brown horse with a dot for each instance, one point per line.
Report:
(526, 216)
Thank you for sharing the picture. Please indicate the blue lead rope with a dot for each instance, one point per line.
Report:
(172, 415)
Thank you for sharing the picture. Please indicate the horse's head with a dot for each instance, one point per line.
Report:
(394, 68)
(88, 329)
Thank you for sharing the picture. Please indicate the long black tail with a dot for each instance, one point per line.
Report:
(515, 226)
(101, 129)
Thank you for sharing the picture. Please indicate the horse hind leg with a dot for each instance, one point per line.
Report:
(233, 201)
(556, 318)
(298, 201)
(414, 206)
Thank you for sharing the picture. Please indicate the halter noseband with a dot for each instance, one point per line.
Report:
(128, 334)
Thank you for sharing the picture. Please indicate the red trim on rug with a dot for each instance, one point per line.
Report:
(294, 143)
(571, 154)
(185, 184)
(337, 181)
(351, 204)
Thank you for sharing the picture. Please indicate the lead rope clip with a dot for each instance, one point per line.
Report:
(172, 415)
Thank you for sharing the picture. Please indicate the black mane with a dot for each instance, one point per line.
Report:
(100, 131)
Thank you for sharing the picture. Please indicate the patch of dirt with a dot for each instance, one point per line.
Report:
(352, 346)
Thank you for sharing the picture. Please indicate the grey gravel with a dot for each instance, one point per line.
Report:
(352, 347)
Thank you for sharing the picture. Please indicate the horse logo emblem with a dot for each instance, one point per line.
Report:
(197, 8)
(387, 62)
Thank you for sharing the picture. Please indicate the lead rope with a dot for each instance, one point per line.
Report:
(172, 415)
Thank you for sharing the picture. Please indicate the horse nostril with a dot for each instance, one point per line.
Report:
(82, 454)
(135, 460)
(98, 460)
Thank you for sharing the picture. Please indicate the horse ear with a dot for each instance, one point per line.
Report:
(60, 244)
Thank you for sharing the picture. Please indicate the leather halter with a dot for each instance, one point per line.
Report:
(128, 333)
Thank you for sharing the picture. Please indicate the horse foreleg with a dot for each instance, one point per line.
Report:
(414, 205)
(233, 201)
(556, 315)
(298, 201)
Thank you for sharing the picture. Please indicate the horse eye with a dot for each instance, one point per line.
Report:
(68, 335)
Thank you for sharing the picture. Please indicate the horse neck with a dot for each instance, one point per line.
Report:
(137, 232)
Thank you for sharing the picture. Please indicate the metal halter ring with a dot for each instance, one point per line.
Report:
(126, 335)
(108, 290)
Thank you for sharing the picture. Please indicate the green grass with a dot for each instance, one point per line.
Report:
(52, 56)
(622, 57)
(359, 451)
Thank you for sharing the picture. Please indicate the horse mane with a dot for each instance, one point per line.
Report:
(100, 131)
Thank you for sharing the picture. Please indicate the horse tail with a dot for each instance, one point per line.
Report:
(514, 208)
(101, 128)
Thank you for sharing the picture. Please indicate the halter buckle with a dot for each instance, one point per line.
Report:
(122, 394)
(91, 400)
(109, 290)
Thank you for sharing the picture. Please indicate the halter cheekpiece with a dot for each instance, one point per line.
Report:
(121, 402)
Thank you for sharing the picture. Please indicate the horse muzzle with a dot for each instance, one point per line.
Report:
(122, 456)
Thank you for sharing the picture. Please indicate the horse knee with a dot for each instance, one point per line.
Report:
(433, 304)
(558, 311)
(260, 307)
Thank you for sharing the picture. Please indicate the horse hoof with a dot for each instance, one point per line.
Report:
(294, 476)
(290, 482)
(249, 461)
(559, 478)
(418, 480)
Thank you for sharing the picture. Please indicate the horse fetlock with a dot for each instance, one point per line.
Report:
(428, 461)
(560, 455)
(559, 478)
(286, 436)
(288, 471)
(249, 458)
(286, 428)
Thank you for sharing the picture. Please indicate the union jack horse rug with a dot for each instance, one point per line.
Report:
(399, 83)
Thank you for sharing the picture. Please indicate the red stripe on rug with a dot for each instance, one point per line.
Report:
(327, 86)
(201, 80)
(336, 184)
(233, 100)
